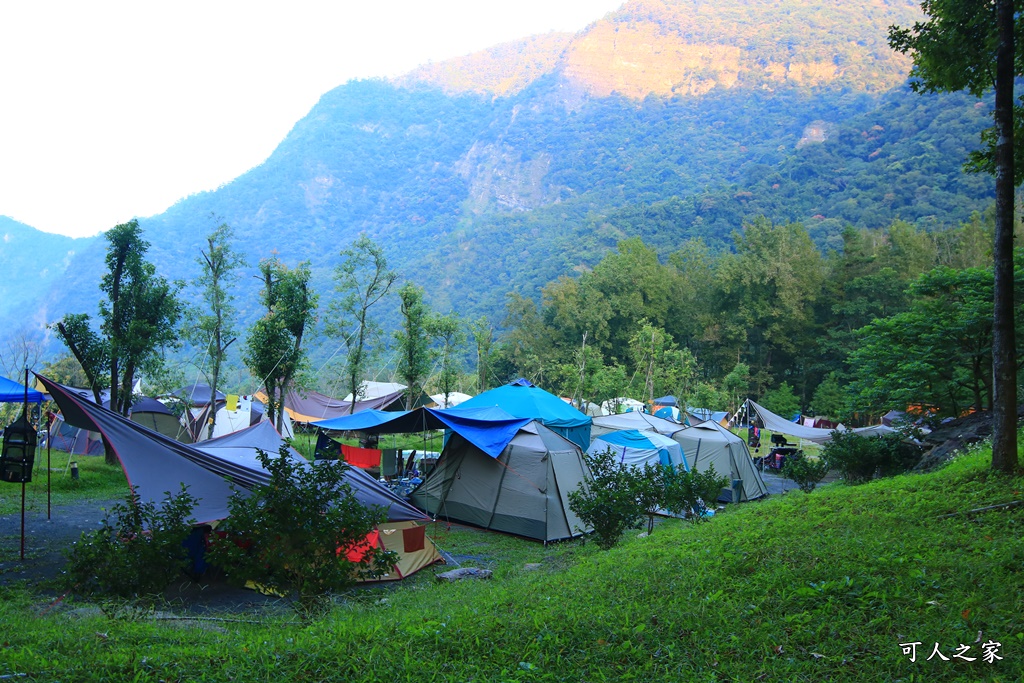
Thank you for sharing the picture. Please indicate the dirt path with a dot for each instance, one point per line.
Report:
(47, 541)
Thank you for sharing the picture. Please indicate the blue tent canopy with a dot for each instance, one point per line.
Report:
(523, 400)
(489, 428)
(12, 392)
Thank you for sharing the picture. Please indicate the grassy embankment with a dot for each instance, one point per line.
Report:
(817, 587)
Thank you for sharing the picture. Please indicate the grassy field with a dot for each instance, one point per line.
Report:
(96, 481)
(804, 587)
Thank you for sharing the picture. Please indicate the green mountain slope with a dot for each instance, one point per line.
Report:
(504, 170)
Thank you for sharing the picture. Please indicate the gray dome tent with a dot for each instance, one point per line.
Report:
(709, 443)
(523, 491)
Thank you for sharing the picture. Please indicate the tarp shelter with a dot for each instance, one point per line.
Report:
(633, 448)
(633, 420)
(488, 428)
(522, 490)
(780, 425)
(12, 392)
(198, 394)
(155, 463)
(709, 443)
(522, 399)
(666, 401)
(369, 389)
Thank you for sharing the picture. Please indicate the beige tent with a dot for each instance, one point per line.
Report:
(709, 443)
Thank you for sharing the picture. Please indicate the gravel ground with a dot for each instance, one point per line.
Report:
(47, 541)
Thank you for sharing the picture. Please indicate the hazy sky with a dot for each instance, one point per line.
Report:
(111, 110)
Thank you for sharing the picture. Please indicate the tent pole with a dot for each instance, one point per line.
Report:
(48, 423)
(22, 521)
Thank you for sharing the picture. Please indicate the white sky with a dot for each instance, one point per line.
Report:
(111, 110)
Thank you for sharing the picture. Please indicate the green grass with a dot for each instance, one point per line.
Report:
(96, 481)
(803, 587)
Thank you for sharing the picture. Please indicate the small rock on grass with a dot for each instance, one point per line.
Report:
(464, 573)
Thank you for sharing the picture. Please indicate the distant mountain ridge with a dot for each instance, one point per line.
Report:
(503, 170)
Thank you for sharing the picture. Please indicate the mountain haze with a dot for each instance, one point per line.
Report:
(502, 170)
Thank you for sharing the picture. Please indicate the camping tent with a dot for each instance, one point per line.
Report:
(522, 490)
(522, 399)
(454, 398)
(154, 415)
(633, 448)
(709, 443)
(634, 420)
(71, 439)
(622, 404)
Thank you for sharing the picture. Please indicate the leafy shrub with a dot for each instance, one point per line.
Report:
(860, 458)
(138, 551)
(692, 493)
(804, 472)
(294, 534)
(609, 503)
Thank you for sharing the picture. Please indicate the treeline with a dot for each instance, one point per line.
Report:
(895, 317)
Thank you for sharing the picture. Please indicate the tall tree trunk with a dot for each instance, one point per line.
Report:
(1004, 362)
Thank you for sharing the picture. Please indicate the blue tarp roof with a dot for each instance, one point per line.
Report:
(489, 428)
(13, 392)
(526, 400)
(522, 399)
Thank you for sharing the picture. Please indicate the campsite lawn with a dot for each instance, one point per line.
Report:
(96, 481)
(803, 587)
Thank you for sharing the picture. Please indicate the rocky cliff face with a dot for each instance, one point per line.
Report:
(689, 47)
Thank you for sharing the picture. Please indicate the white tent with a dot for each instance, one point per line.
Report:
(454, 399)
(622, 404)
(636, 449)
(368, 390)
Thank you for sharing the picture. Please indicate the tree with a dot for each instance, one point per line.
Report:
(447, 330)
(139, 317)
(970, 45)
(24, 349)
(483, 336)
(781, 400)
(216, 329)
(363, 280)
(940, 351)
(414, 357)
(303, 532)
(274, 351)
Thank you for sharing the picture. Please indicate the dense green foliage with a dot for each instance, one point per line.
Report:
(819, 587)
(804, 472)
(292, 534)
(862, 458)
(610, 502)
(138, 551)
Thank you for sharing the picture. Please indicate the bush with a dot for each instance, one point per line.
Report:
(860, 459)
(804, 472)
(138, 551)
(609, 503)
(294, 534)
(692, 493)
